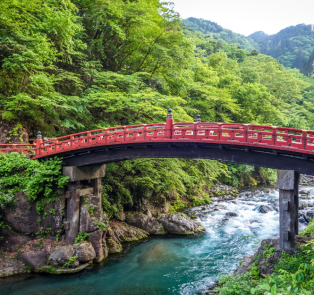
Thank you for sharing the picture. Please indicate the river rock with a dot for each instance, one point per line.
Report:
(127, 233)
(305, 192)
(35, 253)
(85, 252)
(95, 238)
(11, 266)
(61, 256)
(179, 223)
(264, 209)
(232, 214)
(113, 247)
(302, 218)
(146, 223)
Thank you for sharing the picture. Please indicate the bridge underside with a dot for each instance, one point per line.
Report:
(257, 156)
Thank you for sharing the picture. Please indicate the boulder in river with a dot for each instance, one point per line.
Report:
(179, 223)
(61, 256)
(127, 233)
(85, 252)
(232, 214)
(146, 223)
(264, 209)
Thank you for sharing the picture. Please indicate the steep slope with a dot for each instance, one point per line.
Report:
(308, 67)
(217, 31)
(291, 46)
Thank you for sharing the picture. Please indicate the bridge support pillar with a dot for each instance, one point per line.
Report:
(93, 173)
(288, 185)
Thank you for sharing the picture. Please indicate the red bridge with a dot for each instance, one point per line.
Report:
(268, 146)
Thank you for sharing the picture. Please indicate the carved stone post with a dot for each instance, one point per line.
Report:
(73, 211)
(76, 174)
(288, 185)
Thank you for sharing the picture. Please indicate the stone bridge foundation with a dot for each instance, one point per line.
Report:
(288, 185)
(93, 174)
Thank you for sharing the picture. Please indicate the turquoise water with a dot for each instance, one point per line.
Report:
(169, 264)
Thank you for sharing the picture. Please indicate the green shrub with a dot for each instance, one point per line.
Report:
(38, 180)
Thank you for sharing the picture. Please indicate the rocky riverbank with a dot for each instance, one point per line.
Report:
(36, 243)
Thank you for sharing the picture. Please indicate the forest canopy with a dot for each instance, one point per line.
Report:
(69, 66)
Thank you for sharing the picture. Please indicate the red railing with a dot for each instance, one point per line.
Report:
(279, 138)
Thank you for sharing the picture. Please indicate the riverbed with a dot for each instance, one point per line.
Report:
(170, 264)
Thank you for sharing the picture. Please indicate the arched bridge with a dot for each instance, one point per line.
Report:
(289, 150)
(259, 145)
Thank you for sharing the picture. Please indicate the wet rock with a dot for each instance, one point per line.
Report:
(232, 214)
(35, 253)
(61, 256)
(245, 264)
(85, 252)
(127, 233)
(95, 238)
(310, 214)
(264, 209)
(306, 192)
(179, 223)
(303, 218)
(35, 259)
(148, 224)
(75, 264)
(113, 247)
(11, 266)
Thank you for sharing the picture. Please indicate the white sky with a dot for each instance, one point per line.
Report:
(248, 16)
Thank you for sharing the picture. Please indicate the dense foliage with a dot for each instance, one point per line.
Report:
(291, 46)
(214, 30)
(293, 275)
(38, 180)
(69, 66)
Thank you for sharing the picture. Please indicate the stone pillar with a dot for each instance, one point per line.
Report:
(73, 211)
(288, 185)
(76, 174)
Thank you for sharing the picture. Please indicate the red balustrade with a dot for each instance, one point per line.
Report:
(221, 133)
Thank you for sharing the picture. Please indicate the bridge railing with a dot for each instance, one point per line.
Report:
(223, 133)
(27, 149)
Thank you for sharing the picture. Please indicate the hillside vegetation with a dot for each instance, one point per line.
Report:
(292, 46)
(69, 66)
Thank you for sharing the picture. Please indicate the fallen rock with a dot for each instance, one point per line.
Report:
(61, 256)
(146, 223)
(179, 223)
(232, 214)
(264, 209)
(85, 252)
(127, 233)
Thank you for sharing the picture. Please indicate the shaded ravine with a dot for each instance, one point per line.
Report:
(170, 264)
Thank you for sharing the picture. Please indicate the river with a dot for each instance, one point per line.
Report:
(170, 264)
